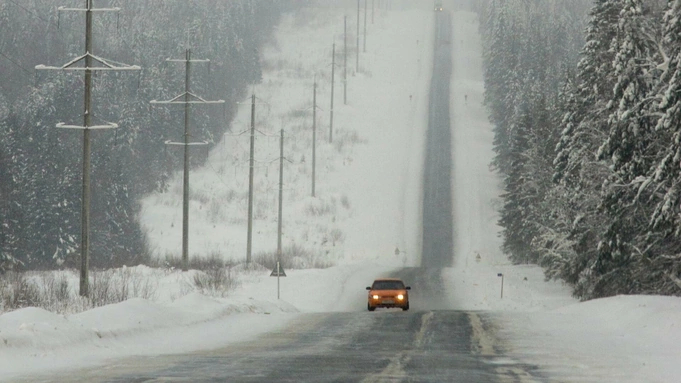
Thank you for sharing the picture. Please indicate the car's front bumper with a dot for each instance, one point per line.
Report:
(388, 302)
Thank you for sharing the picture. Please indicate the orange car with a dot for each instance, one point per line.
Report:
(388, 292)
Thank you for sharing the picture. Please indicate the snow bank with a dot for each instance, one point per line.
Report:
(34, 340)
(618, 339)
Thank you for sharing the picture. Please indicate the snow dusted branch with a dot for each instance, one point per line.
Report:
(674, 279)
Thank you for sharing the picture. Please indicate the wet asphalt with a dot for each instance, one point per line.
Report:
(437, 240)
(385, 346)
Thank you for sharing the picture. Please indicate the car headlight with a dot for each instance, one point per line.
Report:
(375, 296)
(400, 297)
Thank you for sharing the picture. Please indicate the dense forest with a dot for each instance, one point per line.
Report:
(40, 165)
(586, 102)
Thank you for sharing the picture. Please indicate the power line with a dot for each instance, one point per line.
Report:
(56, 25)
(49, 22)
(16, 63)
(29, 11)
(41, 18)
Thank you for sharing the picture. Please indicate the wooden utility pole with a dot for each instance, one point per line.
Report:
(357, 48)
(365, 26)
(89, 66)
(87, 121)
(186, 99)
(333, 74)
(314, 134)
(345, 60)
(249, 241)
(281, 193)
(185, 177)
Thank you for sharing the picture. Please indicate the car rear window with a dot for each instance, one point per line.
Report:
(387, 285)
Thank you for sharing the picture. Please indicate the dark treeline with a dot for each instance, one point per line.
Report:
(40, 165)
(586, 101)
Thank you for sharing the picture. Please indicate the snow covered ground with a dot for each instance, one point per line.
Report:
(367, 205)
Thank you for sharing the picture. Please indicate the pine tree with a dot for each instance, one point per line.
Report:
(628, 147)
(577, 169)
(514, 214)
(584, 129)
(502, 82)
(629, 127)
(663, 271)
(666, 175)
(7, 234)
(46, 181)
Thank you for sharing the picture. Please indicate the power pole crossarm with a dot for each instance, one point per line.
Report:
(101, 64)
(86, 9)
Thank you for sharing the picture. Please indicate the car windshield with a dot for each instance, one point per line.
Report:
(388, 285)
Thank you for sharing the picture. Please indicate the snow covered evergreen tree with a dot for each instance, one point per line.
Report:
(628, 146)
(7, 235)
(47, 181)
(662, 181)
(629, 126)
(577, 170)
(529, 179)
(609, 222)
(585, 131)
(515, 215)
(499, 80)
(666, 172)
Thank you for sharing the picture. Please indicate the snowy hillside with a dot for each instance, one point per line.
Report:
(376, 152)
